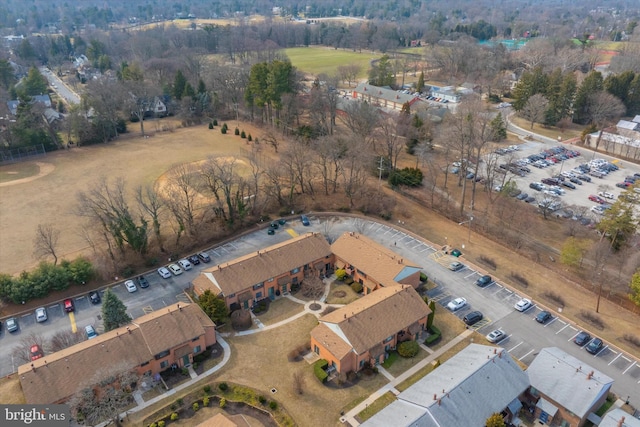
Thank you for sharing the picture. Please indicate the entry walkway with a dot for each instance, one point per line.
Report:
(350, 416)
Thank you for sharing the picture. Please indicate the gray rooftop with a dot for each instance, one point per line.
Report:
(625, 124)
(464, 391)
(613, 417)
(567, 380)
(382, 93)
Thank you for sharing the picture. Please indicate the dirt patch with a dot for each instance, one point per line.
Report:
(44, 169)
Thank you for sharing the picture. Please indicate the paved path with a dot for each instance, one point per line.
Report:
(391, 386)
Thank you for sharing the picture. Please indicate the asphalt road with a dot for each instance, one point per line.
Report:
(59, 86)
(525, 337)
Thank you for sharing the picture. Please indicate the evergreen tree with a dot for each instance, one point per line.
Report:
(619, 85)
(33, 84)
(633, 98)
(381, 74)
(179, 83)
(6, 74)
(499, 128)
(202, 88)
(213, 306)
(531, 83)
(591, 84)
(114, 312)
(188, 91)
(420, 84)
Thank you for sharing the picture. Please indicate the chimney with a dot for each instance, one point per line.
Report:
(179, 308)
(439, 401)
(33, 368)
(590, 375)
(128, 330)
(435, 396)
(495, 350)
(621, 422)
(345, 315)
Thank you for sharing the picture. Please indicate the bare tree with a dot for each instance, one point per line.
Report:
(362, 120)
(298, 162)
(329, 150)
(355, 164)
(181, 196)
(104, 396)
(349, 72)
(22, 352)
(392, 140)
(534, 109)
(151, 203)
(603, 109)
(65, 339)
(46, 242)
(228, 188)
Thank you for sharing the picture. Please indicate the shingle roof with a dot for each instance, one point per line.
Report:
(373, 318)
(376, 261)
(48, 380)
(382, 93)
(257, 267)
(568, 381)
(468, 388)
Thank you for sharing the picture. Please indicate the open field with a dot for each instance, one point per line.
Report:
(317, 60)
(52, 198)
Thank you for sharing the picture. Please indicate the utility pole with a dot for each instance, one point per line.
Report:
(380, 171)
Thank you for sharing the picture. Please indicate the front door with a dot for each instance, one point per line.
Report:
(245, 305)
(271, 294)
(185, 360)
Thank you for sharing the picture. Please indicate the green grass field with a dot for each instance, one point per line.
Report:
(317, 60)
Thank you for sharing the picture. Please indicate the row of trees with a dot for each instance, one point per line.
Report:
(45, 278)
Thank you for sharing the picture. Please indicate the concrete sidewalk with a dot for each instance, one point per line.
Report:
(391, 386)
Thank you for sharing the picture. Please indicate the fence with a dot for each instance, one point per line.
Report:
(12, 155)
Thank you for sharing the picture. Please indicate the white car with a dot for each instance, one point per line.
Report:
(90, 331)
(175, 269)
(131, 287)
(606, 195)
(457, 304)
(185, 264)
(597, 210)
(164, 272)
(495, 336)
(41, 314)
(523, 305)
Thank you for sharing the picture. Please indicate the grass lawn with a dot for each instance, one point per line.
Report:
(280, 309)
(317, 60)
(11, 391)
(449, 324)
(335, 295)
(380, 403)
(401, 364)
(18, 171)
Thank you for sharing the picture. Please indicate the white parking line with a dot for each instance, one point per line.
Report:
(520, 359)
(510, 294)
(563, 328)
(514, 347)
(552, 320)
(495, 283)
(630, 366)
(573, 337)
(616, 358)
(473, 272)
(601, 350)
(625, 358)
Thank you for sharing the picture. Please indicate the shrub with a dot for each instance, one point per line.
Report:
(153, 425)
(179, 402)
(223, 130)
(273, 405)
(249, 137)
(210, 125)
(185, 371)
(348, 280)
(411, 177)
(195, 406)
(423, 277)
(223, 402)
(341, 273)
(161, 423)
(319, 370)
(557, 298)
(592, 318)
(435, 335)
(243, 135)
(207, 389)
(262, 400)
(174, 416)
(488, 261)
(215, 122)
(356, 287)
(223, 386)
(519, 278)
(205, 401)
(408, 349)
(237, 131)
(632, 339)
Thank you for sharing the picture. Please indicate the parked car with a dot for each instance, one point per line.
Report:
(305, 220)
(595, 346)
(496, 336)
(174, 269)
(523, 305)
(522, 196)
(94, 297)
(582, 338)
(271, 231)
(11, 324)
(584, 178)
(193, 259)
(204, 257)
(530, 199)
(35, 352)
(142, 281)
(282, 221)
(185, 264)
(484, 281)
(90, 331)
(623, 184)
(455, 266)
(576, 181)
(606, 195)
(41, 314)
(68, 305)
(543, 317)
(274, 225)
(568, 185)
(472, 318)
(456, 304)
(164, 272)
(536, 186)
(131, 287)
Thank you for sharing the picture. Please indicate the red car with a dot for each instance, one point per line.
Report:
(68, 305)
(597, 199)
(36, 352)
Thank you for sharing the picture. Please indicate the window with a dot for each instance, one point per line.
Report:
(196, 349)
(164, 364)
(258, 295)
(295, 271)
(258, 286)
(144, 364)
(270, 280)
(316, 349)
(231, 296)
(161, 355)
(362, 363)
(388, 338)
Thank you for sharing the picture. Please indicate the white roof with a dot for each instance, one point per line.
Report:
(567, 380)
(625, 124)
(475, 383)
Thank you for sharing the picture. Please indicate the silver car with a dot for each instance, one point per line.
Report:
(41, 314)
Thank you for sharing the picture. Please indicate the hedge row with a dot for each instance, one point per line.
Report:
(319, 370)
(435, 335)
